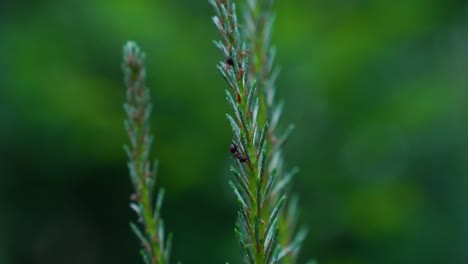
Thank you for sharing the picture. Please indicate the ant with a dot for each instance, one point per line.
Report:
(235, 153)
(229, 61)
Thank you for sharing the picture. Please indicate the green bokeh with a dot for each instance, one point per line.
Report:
(378, 91)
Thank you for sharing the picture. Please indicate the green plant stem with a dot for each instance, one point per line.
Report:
(142, 174)
(259, 22)
(258, 15)
(258, 213)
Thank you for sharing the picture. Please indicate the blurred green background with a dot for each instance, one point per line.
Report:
(378, 91)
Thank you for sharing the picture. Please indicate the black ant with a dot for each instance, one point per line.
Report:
(229, 61)
(235, 152)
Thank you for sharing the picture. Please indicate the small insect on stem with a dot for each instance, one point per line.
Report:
(229, 61)
(236, 153)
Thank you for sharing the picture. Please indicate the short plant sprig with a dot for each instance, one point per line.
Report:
(258, 216)
(259, 21)
(259, 18)
(150, 230)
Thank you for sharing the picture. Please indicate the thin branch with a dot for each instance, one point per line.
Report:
(150, 230)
